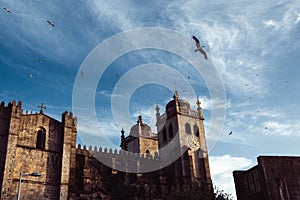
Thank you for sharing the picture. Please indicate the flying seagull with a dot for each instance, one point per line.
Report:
(199, 47)
(6, 10)
(31, 76)
(230, 133)
(50, 23)
(41, 60)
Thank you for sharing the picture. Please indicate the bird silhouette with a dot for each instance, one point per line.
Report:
(199, 47)
(6, 10)
(50, 23)
(230, 133)
(31, 76)
(41, 60)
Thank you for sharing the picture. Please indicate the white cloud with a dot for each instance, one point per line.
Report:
(277, 128)
(117, 13)
(208, 104)
(270, 23)
(237, 41)
(221, 168)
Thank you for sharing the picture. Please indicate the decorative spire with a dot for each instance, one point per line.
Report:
(175, 96)
(140, 121)
(122, 139)
(199, 109)
(157, 113)
(198, 102)
(122, 133)
(157, 108)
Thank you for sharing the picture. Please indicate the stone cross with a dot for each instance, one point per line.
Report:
(42, 107)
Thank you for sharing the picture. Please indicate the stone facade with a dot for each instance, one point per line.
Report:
(140, 139)
(38, 143)
(274, 178)
(175, 128)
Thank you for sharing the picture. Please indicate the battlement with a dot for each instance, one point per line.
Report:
(11, 108)
(110, 153)
(68, 119)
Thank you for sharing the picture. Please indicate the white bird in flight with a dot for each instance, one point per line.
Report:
(199, 47)
(41, 60)
(31, 76)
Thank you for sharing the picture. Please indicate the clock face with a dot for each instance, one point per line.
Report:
(193, 142)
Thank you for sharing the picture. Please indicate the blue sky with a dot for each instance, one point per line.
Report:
(254, 45)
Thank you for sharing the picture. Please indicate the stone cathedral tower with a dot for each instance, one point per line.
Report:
(181, 130)
(35, 142)
(182, 124)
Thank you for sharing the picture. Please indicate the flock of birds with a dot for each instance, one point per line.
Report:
(31, 76)
(198, 45)
(49, 22)
(197, 42)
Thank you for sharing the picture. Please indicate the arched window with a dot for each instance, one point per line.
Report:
(164, 134)
(170, 131)
(41, 139)
(196, 130)
(188, 128)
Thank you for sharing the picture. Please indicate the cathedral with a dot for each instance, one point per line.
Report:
(39, 158)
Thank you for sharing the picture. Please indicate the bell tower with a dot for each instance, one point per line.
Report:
(182, 124)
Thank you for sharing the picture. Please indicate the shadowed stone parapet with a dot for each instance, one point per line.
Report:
(69, 127)
(68, 120)
(119, 160)
(11, 123)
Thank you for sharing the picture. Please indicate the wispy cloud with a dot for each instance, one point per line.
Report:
(236, 42)
(253, 46)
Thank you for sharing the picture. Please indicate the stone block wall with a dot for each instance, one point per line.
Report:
(24, 149)
(4, 125)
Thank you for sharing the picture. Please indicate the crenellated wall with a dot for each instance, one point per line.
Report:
(113, 153)
(94, 178)
(35, 142)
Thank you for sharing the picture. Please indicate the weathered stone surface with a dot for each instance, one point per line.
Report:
(22, 151)
(38, 143)
(274, 178)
